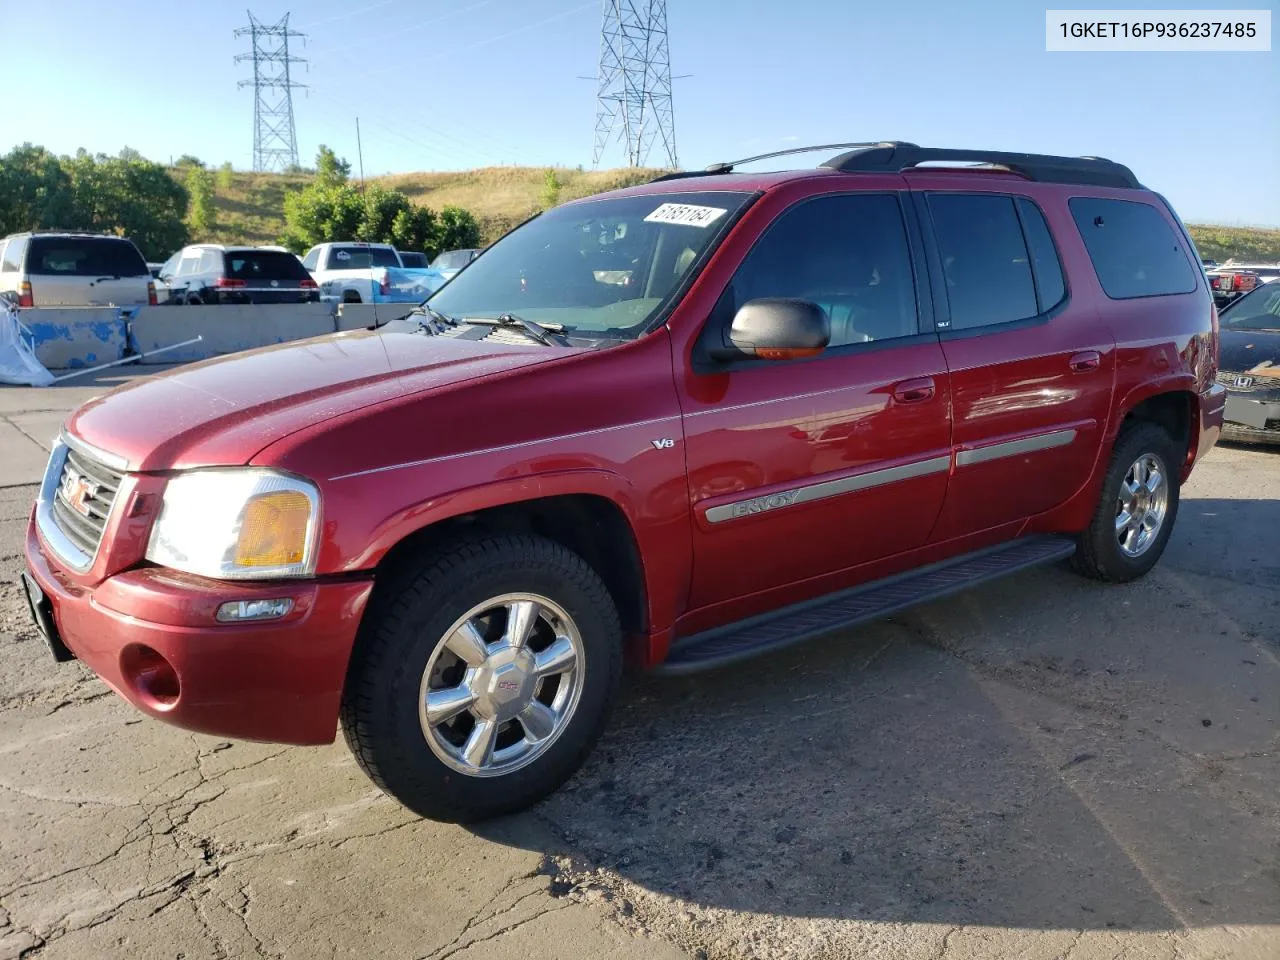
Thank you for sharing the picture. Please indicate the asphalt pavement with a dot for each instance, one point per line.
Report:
(1042, 767)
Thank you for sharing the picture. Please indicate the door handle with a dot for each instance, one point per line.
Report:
(914, 391)
(1088, 360)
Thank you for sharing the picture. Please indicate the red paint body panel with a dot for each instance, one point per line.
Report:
(278, 681)
(402, 431)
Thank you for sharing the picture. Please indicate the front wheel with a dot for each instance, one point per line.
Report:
(1137, 508)
(483, 677)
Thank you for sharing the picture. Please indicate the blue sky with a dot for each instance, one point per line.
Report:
(449, 85)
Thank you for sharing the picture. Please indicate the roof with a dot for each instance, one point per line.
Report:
(896, 157)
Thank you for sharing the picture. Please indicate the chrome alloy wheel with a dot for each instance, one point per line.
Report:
(1142, 505)
(501, 685)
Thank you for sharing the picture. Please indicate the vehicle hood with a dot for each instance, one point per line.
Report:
(221, 412)
(1242, 351)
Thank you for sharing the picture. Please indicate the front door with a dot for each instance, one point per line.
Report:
(800, 469)
(1031, 362)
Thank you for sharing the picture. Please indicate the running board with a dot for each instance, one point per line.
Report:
(873, 601)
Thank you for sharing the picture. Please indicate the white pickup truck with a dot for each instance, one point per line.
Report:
(369, 273)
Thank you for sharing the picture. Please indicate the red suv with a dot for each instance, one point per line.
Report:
(680, 424)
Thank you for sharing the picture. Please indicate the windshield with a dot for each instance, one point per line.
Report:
(1259, 310)
(602, 268)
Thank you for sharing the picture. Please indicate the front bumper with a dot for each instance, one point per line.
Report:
(151, 635)
(1260, 421)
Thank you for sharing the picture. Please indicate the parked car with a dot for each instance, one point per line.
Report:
(451, 261)
(208, 273)
(1229, 283)
(369, 273)
(74, 270)
(412, 258)
(1250, 366)
(817, 397)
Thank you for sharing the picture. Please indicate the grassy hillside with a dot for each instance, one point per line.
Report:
(251, 210)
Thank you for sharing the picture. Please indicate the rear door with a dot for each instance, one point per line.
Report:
(1030, 360)
(123, 273)
(800, 469)
(269, 276)
(86, 271)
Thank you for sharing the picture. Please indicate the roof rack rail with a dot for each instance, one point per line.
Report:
(896, 157)
(719, 168)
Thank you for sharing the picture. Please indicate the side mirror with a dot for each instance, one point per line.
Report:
(775, 328)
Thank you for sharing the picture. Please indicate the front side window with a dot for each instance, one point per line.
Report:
(601, 268)
(848, 254)
(170, 267)
(985, 261)
(1134, 250)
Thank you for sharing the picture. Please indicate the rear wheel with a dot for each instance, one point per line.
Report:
(1137, 508)
(483, 677)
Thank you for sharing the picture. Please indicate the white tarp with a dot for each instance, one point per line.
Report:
(18, 363)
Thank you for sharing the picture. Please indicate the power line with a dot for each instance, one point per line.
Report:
(633, 81)
(275, 136)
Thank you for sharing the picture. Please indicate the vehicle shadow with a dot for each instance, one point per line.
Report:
(1038, 753)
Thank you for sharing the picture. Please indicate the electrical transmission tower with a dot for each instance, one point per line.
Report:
(633, 96)
(275, 139)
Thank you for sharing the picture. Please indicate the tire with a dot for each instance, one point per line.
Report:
(1101, 553)
(194, 300)
(402, 655)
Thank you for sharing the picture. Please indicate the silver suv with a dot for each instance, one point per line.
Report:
(74, 270)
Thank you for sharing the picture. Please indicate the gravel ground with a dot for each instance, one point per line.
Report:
(1043, 767)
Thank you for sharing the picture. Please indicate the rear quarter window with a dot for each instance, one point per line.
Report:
(1134, 249)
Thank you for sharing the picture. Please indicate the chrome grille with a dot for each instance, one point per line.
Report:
(1228, 379)
(90, 484)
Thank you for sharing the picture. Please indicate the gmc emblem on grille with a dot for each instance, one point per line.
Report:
(76, 490)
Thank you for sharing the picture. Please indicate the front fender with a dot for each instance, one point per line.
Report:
(502, 493)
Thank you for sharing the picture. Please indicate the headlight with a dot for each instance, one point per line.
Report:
(237, 524)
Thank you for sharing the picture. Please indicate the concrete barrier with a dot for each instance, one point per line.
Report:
(68, 338)
(358, 316)
(226, 328)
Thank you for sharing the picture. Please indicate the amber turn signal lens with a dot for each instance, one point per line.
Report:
(274, 530)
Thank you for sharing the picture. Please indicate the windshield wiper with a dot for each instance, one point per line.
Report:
(548, 334)
(440, 319)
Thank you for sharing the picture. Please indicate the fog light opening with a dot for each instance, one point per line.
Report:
(152, 676)
(241, 611)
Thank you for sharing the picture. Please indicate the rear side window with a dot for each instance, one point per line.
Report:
(13, 251)
(984, 259)
(1134, 250)
(1046, 267)
(361, 258)
(312, 259)
(85, 257)
(411, 259)
(848, 254)
(264, 265)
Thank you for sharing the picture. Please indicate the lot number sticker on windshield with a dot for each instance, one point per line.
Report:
(686, 214)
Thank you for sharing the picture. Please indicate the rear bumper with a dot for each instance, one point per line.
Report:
(277, 681)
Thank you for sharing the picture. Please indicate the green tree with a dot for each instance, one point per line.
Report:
(320, 214)
(187, 160)
(331, 171)
(550, 195)
(131, 197)
(201, 216)
(35, 191)
(458, 229)
(226, 176)
(416, 229)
